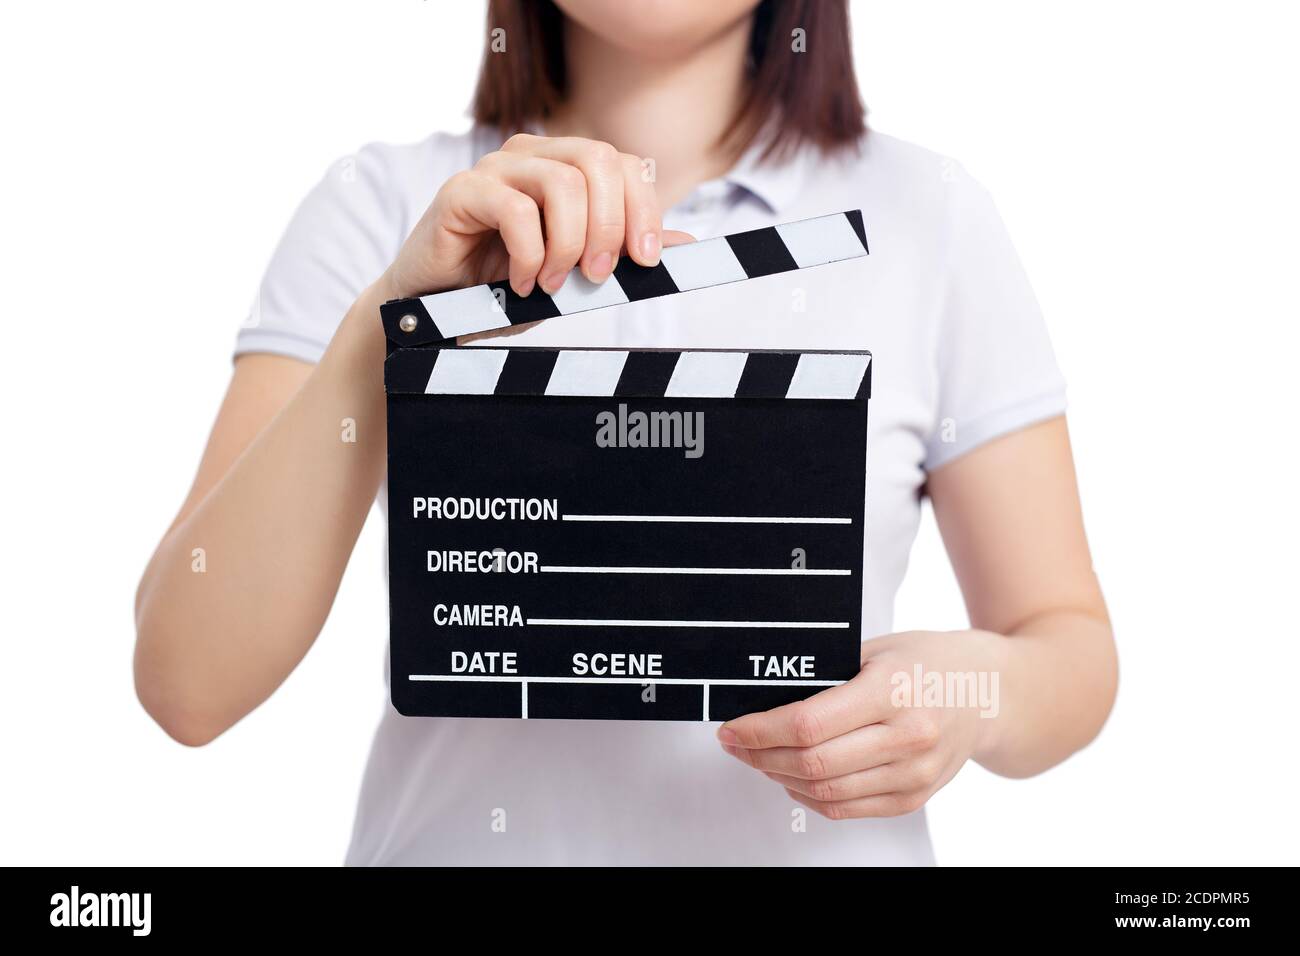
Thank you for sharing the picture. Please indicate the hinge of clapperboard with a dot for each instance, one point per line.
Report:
(434, 321)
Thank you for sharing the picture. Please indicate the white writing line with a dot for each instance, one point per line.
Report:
(699, 682)
(620, 622)
(708, 519)
(793, 572)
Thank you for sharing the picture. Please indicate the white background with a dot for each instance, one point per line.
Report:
(1144, 155)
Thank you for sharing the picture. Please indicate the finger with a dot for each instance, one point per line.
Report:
(833, 712)
(493, 262)
(881, 805)
(602, 167)
(675, 237)
(859, 749)
(887, 778)
(493, 205)
(642, 220)
(560, 189)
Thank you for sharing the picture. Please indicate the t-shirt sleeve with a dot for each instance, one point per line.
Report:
(996, 369)
(340, 240)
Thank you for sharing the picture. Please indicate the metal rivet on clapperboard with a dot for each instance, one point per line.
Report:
(407, 323)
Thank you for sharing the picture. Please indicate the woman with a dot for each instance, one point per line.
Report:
(746, 114)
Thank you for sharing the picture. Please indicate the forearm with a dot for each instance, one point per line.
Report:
(1057, 677)
(276, 531)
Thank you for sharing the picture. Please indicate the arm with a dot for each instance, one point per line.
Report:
(1011, 520)
(281, 496)
(1010, 517)
(276, 506)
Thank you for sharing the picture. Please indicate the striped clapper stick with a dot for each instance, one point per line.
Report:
(639, 534)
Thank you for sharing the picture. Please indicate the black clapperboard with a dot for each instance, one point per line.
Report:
(628, 534)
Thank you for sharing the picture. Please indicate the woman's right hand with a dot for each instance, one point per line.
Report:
(531, 211)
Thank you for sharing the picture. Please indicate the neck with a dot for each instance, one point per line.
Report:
(673, 111)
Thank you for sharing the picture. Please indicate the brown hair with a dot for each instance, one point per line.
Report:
(794, 97)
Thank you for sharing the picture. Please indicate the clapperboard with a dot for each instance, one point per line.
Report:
(631, 534)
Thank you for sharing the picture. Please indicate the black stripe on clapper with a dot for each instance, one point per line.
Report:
(639, 282)
(426, 330)
(854, 217)
(534, 307)
(646, 374)
(409, 371)
(526, 372)
(767, 375)
(761, 252)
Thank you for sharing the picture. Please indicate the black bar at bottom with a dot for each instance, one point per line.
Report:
(920, 907)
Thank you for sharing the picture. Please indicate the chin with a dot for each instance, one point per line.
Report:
(663, 28)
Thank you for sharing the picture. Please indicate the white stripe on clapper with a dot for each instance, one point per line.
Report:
(580, 372)
(696, 265)
(578, 294)
(706, 375)
(828, 375)
(462, 311)
(815, 242)
(466, 371)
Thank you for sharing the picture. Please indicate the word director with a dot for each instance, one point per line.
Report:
(508, 562)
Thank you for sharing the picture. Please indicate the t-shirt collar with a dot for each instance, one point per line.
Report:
(775, 183)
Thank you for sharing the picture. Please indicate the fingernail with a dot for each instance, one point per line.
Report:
(525, 288)
(650, 248)
(599, 268)
(727, 737)
(552, 281)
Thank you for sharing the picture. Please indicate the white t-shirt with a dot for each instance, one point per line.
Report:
(961, 356)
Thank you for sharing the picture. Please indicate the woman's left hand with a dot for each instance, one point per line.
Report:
(879, 745)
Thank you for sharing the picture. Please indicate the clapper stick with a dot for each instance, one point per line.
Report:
(441, 316)
(623, 533)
